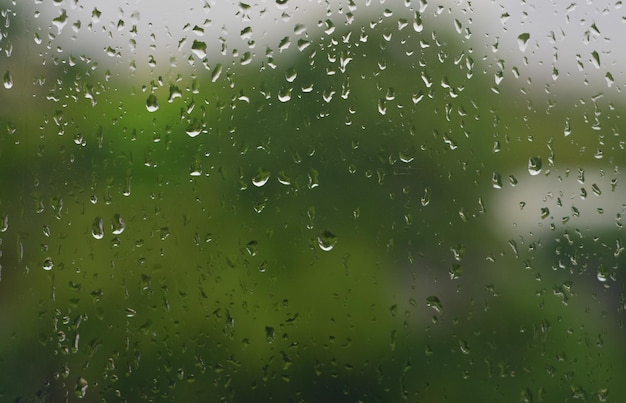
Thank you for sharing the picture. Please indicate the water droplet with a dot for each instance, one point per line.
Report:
(435, 303)
(426, 197)
(118, 225)
(48, 264)
(261, 177)
(4, 222)
(595, 59)
(284, 94)
(7, 80)
(326, 240)
(194, 128)
(596, 189)
(603, 273)
(215, 74)
(534, 165)
(60, 21)
(283, 178)
(252, 248)
(81, 387)
(522, 41)
(418, 26)
(97, 228)
(151, 103)
(496, 180)
(455, 271)
(568, 129)
(198, 48)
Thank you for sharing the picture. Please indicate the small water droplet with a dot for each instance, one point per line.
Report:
(252, 248)
(534, 165)
(194, 128)
(48, 264)
(568, 129)
(7, 80)
(522, 41)
(603, 273)
(426, 197)
(496, 180)
(326, 240)
(97, 228)
(152, 104)
(435, 303)
(216, 73)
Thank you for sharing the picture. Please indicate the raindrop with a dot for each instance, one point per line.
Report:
(48, 264)
(97, 228)
(326, 240)
(603, 273)
(4, 223)
(151, 103)
(194, 128)
(215, 74)
(199, 49)
(81, 387)
(435, 303)
(261, 177)
(7, 80)
(283, 178)
(596, 189)
(426, 197)
(118, 225)
(252, 248)
(568, 129)
(595, 59)
(284, 94)
(522, 41)
(418, 26)
(496, 180)
(534, 165)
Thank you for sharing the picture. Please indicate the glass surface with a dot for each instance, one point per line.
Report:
(341, 200)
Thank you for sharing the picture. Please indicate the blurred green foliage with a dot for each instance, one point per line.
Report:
(218, 290)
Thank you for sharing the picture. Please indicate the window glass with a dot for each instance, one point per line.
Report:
(340, 200)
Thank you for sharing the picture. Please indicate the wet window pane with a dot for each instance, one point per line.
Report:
(345, 200)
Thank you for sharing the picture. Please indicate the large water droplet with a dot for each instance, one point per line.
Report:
(261, 177)
(198, 48)
(151, 103)
(534, 165)
(118, 225)
(326, 240)
(595, 59)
